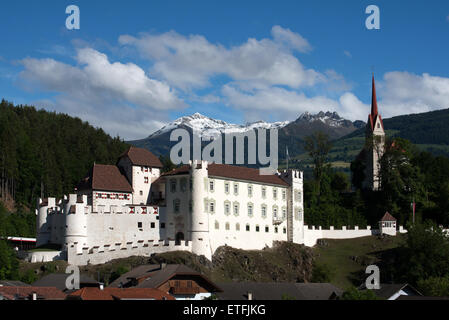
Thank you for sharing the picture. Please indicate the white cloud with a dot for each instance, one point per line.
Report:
(104, 93)
(347, 53)
(189, 62)
(404, 93)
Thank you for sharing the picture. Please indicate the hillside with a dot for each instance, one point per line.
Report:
(286, 262)
(49, 150)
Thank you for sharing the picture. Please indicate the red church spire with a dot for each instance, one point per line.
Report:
(374, 100)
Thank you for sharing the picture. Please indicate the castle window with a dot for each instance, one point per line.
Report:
(227, 208)
(211, 185)
(275, 193)
(227, 226)
(275, 229)
(183, 184)
(284, 213)
(247, 227)
(176, 205)
(267, 229)
(226, 186)
(217, 225)
(237, 226)
(264, 211)
(236, 189)
(250, 210)
(141, 193)
(162, 225)
(173, 185)
(152, 225)
(264, 192)
(236, 209)
(284, 230)
(257, 228)
(145, 179)
(250, 190)
(212, 207)
(275, 212)
(139, 225)
(283, 194)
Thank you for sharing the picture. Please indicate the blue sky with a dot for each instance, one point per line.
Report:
(136, 65)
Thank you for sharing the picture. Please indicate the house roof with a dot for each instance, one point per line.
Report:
(57, 280)
(233, 172)
(13, 283)
(106, 178)
(48, 293)
(142, 157)
(95, 293)
(153, 276)
(388, 217)
(278, 291)
(387, 290)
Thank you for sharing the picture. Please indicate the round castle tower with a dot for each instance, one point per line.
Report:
(199, 233)
(76, 231)
(43, 222)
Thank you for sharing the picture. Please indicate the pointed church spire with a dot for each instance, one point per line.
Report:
(374, 100)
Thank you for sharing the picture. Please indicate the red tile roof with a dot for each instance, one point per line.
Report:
(233, 172)
(93, 293)
(106, 178)
(48, 293)
(388, 217)
(142, 157)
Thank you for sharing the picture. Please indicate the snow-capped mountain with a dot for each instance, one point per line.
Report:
(211, 128)
(291, 133)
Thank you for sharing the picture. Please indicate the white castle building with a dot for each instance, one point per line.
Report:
(132, 208)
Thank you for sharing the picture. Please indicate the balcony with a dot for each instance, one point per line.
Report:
(184, 290)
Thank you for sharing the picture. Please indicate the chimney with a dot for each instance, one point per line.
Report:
(250, 295)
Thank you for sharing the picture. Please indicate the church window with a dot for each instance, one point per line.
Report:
(141, 192)
(378, 125)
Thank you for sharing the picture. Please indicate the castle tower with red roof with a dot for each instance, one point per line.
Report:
(375, 144)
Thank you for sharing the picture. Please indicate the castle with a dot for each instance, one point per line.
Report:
(132, 208)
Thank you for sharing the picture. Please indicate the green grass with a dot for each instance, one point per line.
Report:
(348, 258)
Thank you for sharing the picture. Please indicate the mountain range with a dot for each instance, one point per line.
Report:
(290, 132)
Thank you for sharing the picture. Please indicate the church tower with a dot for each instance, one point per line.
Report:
(375, 144)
